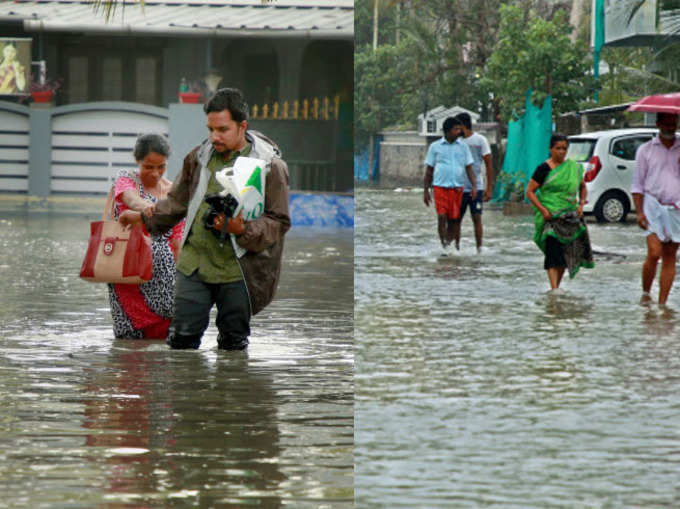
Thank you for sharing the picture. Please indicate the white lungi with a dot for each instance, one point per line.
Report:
(664, 220)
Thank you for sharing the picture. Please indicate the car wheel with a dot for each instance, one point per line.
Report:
(612, 207)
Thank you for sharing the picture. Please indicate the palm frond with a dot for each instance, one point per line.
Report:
(109, 7)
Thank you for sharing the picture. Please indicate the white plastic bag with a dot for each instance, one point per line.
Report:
(245, 181)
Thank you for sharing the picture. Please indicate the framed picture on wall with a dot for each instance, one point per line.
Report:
(15, 65)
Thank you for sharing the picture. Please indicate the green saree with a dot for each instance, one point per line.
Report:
(559, 195)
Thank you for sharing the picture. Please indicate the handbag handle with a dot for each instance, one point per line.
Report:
(108, 208)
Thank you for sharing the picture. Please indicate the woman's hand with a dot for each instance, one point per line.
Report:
(582, 197)
(149, 210)
(130, 218)
(533, 199)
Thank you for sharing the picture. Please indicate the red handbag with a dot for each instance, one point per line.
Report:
(115, 254)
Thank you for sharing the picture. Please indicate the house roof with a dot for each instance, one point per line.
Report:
(317, 19)
(442, 112)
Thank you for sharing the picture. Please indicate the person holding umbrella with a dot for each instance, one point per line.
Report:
(656, 193)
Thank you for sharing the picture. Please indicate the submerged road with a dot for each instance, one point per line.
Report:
(476, 387)
(87, 421)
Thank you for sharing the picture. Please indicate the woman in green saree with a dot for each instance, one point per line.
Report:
(560, 231)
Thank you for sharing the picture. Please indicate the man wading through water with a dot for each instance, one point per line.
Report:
(241, 274)
(448, 161)
(656, 193)
(481, 153)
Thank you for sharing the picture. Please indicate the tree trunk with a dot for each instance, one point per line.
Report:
(398, 16)
(375, 24)
(575, 17)
(370, 159)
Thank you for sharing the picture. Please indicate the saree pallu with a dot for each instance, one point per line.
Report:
(558, 194)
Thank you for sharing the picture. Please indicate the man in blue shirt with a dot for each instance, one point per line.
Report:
(447, 163)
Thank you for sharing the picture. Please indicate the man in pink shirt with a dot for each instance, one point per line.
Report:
(656, 193)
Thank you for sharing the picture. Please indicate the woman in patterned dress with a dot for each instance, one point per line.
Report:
(145, 310)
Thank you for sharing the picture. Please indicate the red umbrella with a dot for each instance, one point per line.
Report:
(660, 103)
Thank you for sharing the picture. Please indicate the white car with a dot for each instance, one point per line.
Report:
(608, 158)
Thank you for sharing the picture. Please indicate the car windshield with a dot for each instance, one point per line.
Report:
(580, 149)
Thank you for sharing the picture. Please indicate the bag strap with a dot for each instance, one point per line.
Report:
(108, 208)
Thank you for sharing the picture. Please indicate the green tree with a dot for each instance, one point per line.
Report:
(639, 71)
(442, 52)
(363, 22)
(376, 91)
(396, 82)
(425, 68)
(454, 40)
(533, 52)
(431, 53)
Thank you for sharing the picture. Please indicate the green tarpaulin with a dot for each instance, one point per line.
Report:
(598, 41)
(527, 147)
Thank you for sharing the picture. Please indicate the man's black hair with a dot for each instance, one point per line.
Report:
(465, 119)
(228, 99)
(661, 115)
(449, 123)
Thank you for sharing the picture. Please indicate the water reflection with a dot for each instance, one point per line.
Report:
(659, 321)
(561, 306)
(453, 267)
(155, 427)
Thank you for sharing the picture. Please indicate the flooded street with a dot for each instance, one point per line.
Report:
(476, 387)
(92, 422)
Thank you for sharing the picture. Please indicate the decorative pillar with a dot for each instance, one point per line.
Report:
(40, 150)
(186, 130)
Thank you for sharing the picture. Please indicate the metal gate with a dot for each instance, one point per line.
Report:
(14, 143)
(91, 142)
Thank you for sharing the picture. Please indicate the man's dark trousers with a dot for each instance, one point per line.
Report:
(193, 301)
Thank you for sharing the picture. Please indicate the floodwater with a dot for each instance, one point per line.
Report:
(476, 387)
(87, 421)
